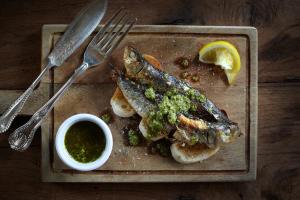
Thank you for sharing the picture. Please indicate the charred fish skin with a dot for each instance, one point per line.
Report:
(134, 93)
(212, 131)
(226, 132)
(196, 137)
(138, 68)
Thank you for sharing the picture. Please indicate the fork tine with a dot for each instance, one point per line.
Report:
(102, 30)
(112, 38)
(118, 41)
(111, 31)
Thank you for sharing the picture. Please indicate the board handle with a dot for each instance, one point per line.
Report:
(15, 108)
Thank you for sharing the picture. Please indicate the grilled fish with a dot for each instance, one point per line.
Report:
(192, 131)
(197, 137)
(142, 71)
(134, 94)
(118, 102)
(205, 132)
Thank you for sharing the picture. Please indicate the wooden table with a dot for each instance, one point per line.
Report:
(278, 27)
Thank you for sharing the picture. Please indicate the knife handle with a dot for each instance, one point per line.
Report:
(22, 137)
(14, 109)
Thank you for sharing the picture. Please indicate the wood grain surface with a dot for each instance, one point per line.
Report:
(278, 27)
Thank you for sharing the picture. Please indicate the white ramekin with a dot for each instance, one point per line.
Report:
(63, 152)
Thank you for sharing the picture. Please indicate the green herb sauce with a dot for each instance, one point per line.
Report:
(167, 110)
(185, 75)
(194, 139)
(195, 78)
(85, 141)
(183, 62)
(133, 138)
(192, 94)
(106, 118)
(150, 93)
(166, 76)
(193, 108)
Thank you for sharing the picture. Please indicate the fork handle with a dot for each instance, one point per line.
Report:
(22, 137)
(10, 114)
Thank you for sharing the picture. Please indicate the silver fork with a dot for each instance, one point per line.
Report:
(101, 46)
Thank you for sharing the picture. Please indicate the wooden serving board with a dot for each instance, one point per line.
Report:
(92, 92)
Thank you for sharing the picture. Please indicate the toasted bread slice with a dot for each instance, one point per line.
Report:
(192, 154)
(118, 102)
(144, 130)
(120, 106)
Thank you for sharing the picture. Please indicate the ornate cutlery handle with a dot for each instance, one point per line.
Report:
(22, 137)
(10, 114)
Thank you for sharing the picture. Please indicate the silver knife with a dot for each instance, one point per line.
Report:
(83, 25)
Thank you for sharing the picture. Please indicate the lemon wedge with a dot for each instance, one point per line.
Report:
(223, 54)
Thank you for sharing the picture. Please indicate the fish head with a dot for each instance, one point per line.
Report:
(230, 133)
(133, 61)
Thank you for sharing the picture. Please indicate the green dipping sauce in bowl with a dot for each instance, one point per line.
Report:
(85, 141)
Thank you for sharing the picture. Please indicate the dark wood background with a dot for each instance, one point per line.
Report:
(278, 24)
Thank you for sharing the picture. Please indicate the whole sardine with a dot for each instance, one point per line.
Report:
(139, 69)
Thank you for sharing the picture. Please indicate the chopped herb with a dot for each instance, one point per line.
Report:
(185, 75)
(171, 92)
(183, 62)
(166, 76)
(150, 93)
(194, 139)
(193, 108)
(191, 93)
(155, 123)
(172, 117)
(106, 118)
(171, 106)
(133, 138)
(195, 78)
(167, 110)
(201, 98)
(194, 95)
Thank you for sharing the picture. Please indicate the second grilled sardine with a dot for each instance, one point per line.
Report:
(141, 70)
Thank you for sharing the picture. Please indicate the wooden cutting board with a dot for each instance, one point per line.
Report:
(92, 93)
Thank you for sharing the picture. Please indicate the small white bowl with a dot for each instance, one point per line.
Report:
(63, 152)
